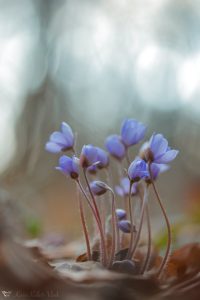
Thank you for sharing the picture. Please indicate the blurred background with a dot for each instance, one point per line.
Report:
(92, 64)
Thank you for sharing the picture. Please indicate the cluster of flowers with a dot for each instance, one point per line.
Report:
(153, 159)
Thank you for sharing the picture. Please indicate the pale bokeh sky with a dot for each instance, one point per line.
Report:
(100, 54)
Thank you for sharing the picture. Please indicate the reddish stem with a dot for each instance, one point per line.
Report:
(85, 231)
(131, 221)
(137, 237)
(114, 230)
(102, 236)
(146, 262)
(164, 261)
(91, 207)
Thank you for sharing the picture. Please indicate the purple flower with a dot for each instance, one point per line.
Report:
(115, 146)
(158, 151)
(121, 214)
(137, 170)
(88, 156)
(61, 140)
(102, 158)
(123, 189)
(98, 187)
(132, 132)
(156, 169)
(69, 166)
(124, 226)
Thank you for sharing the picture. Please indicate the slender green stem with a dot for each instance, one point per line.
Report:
(102, 236)
(131, 220)
(137, 237)
(164, 261)
(146, 262)
(85, 231)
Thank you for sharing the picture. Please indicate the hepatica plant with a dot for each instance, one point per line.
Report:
(125, 218)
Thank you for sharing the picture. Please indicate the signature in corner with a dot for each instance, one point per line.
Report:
(6, 293)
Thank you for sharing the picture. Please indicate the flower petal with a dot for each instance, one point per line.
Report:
(53, 148)
(102, 157)
(156, 169)
(65, 162)
(132, 132)
(75, 165)
(137, 169)
(158, 144)
(58, 138)
(68, 133)
(115, 147)
(167, 157)
(141, 130)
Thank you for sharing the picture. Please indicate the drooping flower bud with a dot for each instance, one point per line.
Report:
(98, 188)
(121, 214)
(124, 226)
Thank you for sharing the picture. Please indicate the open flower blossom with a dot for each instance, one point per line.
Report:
(137, 170)
(102, 158)
(115, 146)
(89, 155)
(69, 166)
(123, 189)
(132, 132)
(121, 214)
(62, 140)
(124, 226)
(98, 187)
(158, 151)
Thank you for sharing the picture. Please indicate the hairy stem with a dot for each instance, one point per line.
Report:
(114, 230)
(85, 231)
(137, 237)
(146, 262)
(91, 207)
(102, 236)
(131, 220)
(164, 261)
